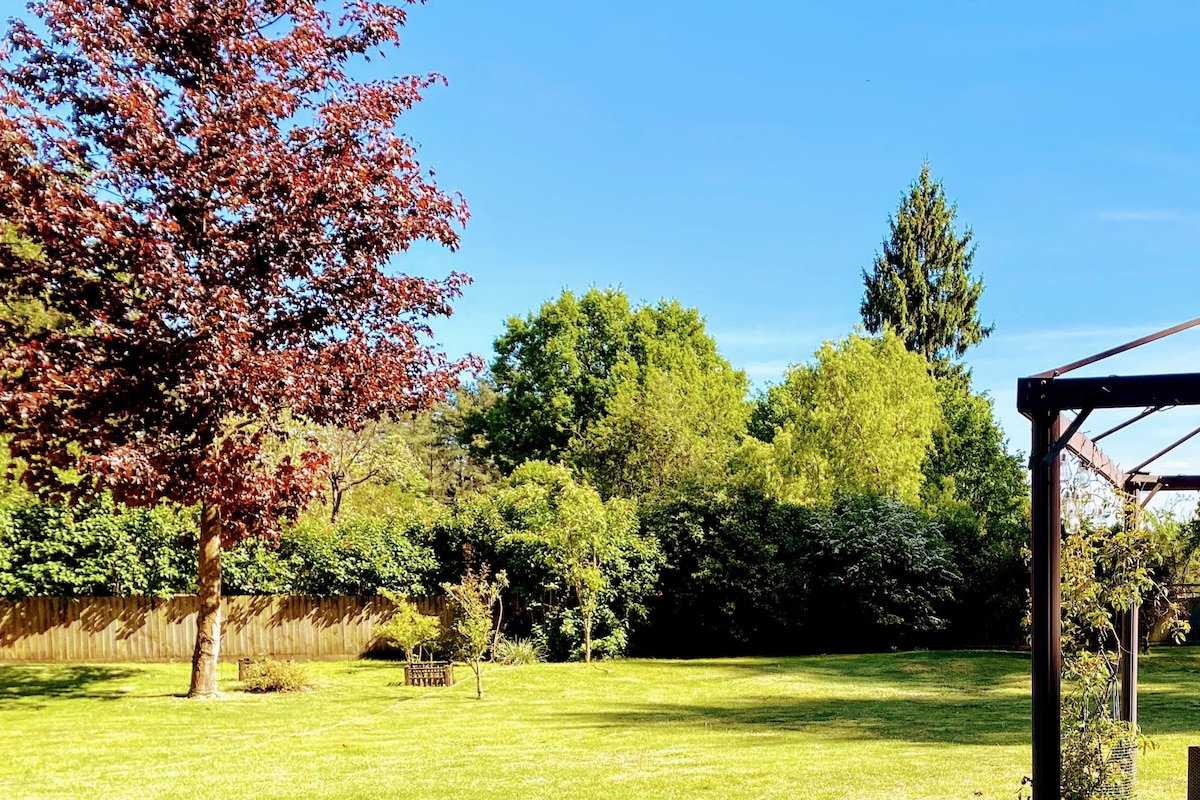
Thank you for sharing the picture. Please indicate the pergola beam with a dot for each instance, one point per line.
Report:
(1166, 483)
(1113, 391)
(1093, 457)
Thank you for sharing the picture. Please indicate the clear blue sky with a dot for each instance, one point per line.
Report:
(744, 158)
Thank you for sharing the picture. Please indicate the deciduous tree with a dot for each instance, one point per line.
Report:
(373, 453)
(577, 561)
(635, 398)
(210, 201)
(860, 420)
(474, 628)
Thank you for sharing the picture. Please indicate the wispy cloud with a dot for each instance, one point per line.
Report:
(770, 371)
(1149, 215)
(771, 338)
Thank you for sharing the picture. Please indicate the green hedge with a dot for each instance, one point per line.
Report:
(103, 549)
(96, 549)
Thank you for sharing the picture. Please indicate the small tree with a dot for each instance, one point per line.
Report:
(408, 628)
(374, 453)
(473, 628)
(557, 533)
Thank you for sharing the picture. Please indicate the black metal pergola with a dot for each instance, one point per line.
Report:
(1044, 399)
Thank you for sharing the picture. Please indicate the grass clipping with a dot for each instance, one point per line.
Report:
(269, 675)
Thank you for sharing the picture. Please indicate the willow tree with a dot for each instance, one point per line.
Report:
(921, 285)
(209, 202)
(859, 419)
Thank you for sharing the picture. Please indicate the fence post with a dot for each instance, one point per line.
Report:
(1193, 773)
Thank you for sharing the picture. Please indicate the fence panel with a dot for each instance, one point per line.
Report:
(113, 629)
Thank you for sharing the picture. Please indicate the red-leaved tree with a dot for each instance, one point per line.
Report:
(201, 203)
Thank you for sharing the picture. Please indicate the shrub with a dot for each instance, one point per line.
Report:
(747, 573)
(256, 566)
(269, 675)
(100, 548)
(314, 558)
(408, 628)
(358, 557)
(512, 652)
(878, 571)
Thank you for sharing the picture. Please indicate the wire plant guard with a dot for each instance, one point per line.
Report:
(1117, 756)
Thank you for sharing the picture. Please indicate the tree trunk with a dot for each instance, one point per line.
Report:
(335, 497)
(208, 621)
(478, 679)
(587, 638)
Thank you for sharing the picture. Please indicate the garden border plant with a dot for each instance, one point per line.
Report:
(1109, 558)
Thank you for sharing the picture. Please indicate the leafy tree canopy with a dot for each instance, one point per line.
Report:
(860, 419)
(970, 462)
(633, 397)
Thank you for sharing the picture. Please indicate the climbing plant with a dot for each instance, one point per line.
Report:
(1109, 556)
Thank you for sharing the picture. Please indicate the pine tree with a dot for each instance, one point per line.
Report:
(921, 286)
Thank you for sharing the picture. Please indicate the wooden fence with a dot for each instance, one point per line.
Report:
(104, 629)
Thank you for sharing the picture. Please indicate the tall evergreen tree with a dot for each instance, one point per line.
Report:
(921, 286)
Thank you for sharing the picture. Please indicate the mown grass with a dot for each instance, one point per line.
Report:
(903, 725)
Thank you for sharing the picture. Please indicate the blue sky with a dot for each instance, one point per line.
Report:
(744, 159)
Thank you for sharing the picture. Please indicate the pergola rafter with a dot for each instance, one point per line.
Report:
(1043, 399)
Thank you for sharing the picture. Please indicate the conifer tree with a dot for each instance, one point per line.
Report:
(921, 286)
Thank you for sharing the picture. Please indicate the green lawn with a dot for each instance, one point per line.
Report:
(919, 725)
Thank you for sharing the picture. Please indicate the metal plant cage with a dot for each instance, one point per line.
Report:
(1123, 757)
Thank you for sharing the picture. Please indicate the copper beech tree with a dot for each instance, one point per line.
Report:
(202, 202)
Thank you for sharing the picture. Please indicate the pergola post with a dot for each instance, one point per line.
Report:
(1129, 628)
(1042, 398)
(1046, 633)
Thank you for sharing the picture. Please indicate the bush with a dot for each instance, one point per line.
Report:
(748, 574)
(735, 576)
(879, 572)
(256, 566)
(358, 557)
(269, 675)
(408, 628)
(98, 549)
(512, 652)
(104, 549)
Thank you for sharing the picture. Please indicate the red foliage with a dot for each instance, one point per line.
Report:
(215, 201)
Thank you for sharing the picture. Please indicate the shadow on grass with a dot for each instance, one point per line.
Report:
(955, 702)
(21, 681)
(961, 670)
(991, 721)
